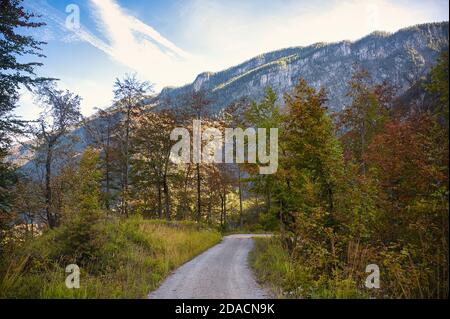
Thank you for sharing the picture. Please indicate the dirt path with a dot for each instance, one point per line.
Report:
(222, 272)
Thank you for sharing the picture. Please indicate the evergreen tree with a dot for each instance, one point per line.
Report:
(13, 75)
(13, 72)
(83, 211)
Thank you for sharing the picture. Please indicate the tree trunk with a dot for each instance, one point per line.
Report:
(199, 201)
(209, 208)
(330, 199)
(282, 229)
(225, 210)
(158, 185)
(107, 173)
(127, 163)
(221, 210)
(166, 197)
(241, 218)
(269, 200)
(185, 204)
(363, 146)
(48, 189)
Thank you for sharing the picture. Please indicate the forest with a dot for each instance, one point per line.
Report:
(364, 185)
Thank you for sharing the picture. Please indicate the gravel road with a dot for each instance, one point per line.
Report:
(222, 272)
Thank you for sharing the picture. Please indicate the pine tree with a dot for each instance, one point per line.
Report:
(13, 75)
(13, 72)
(83, 211)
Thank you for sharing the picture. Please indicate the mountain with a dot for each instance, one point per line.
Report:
(400, 58)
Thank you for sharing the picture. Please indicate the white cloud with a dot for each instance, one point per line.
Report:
(57, 29)
(233, 33)
(27, 108)
(94, 94)
(140, 47)
(130, 42)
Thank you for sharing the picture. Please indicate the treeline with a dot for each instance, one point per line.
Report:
(132, 144)
(367, 185)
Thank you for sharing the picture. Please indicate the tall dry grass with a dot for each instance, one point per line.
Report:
(135, 255)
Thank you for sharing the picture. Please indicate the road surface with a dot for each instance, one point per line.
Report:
(222, 272)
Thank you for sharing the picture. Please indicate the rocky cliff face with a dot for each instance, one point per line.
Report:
(400, 58)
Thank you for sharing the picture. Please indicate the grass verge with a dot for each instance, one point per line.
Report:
(285, 277)
(133, 258)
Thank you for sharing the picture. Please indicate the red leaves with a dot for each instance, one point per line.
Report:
(407, 159)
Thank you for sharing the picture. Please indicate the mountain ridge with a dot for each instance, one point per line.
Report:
(413, 49)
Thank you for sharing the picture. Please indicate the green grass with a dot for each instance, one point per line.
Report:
(134, 257)
(288, 278)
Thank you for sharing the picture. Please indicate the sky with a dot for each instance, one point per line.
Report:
(169, 42)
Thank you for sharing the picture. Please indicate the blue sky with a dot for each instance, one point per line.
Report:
(169, 42)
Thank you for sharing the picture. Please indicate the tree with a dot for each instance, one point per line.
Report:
(83, 211)
(265, 114)
(439, 87)
(101, 132)
(305, 185)
(369, 110)
(29, 205)
(409, 163)
(14, 73)
(234, 117)
(310, 149)
(366, 114)
(197, 102)
(8, 178)
(129, 94)
(151, 153)
(61, 113)
(224, 182)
